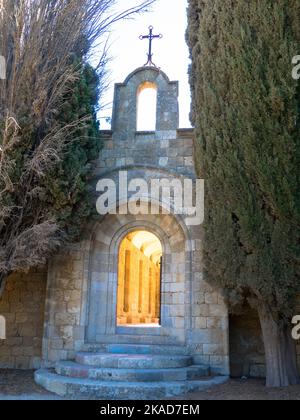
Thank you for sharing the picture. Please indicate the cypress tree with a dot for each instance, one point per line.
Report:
(69, 196)
(246, 113)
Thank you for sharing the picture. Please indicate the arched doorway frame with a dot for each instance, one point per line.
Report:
(128, 224)
(165, 269)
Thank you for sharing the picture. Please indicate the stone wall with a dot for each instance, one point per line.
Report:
(170, 151)
(23, 305)
(209, 336)
(64, 316)
(247, 355)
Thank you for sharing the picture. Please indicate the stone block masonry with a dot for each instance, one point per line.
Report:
(247, 354)
(22, 306)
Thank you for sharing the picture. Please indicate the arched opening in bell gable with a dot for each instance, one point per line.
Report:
(146, 107)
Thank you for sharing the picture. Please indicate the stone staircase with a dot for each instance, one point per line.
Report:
(126, 372)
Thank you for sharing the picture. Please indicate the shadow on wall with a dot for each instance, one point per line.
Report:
(247, 355)
(22, 307)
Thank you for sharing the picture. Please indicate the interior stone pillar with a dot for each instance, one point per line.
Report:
(141, 283)
(127, 288)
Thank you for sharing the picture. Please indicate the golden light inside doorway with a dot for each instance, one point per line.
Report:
(139, 280)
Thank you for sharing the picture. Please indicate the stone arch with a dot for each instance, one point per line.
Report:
(125, 104)
(153, 70)
(103, 281)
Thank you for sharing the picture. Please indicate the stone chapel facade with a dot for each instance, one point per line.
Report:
(82, 292)
(131, 294)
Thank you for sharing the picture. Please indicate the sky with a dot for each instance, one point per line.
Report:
(171, 54)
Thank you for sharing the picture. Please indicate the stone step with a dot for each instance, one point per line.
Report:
(77, 388)
(133, 361)
(145, 349)
(135, 349)
(76, 370)
(161, 340)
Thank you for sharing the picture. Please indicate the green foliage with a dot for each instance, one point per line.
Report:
(246, 112)
(62, 195)
(68, 192)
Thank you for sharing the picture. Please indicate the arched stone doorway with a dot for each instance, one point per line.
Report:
(173, 308)
(139, 280)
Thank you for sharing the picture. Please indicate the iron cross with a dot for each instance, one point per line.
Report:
(151, 37)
